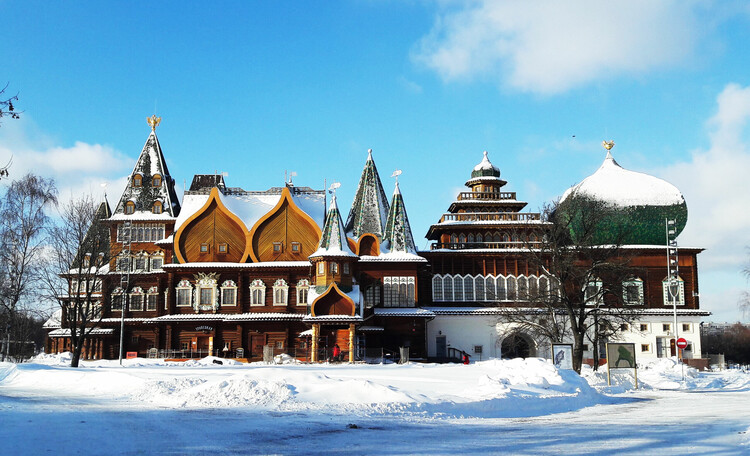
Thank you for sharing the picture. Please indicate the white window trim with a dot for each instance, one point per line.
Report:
(257, 284)
(206, 282)
(303, 286)
(136, 292)
(637, 281)
(280, 286)
(229, 285)
(680, 295)
(153, 291)
(184, 285)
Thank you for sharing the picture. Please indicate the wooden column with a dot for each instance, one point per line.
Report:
(316, 332)
(351, 343)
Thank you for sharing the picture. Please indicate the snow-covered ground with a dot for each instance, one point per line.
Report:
(511, 406)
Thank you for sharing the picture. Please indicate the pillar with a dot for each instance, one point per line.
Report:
(351, 343)
(315, 332)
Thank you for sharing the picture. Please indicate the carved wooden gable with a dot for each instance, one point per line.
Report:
(285, 233)
(212, 234)
(333, 302)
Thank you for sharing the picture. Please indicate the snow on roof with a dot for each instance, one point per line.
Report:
(486, 165)
(614, 184)
(142, 216)
(251, 206)
(333, 239)
(336, 318)
(263, 264)
(54, 320)
(65, 332)
(403, 312)
(394, 257)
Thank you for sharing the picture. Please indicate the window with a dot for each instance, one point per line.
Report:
(398, 291)
(140, 263)
(278, 247)
(321, 268)
(437, 288)
(593, 292)
(523, 288)
(645, 348)
(152, 299)
(373, 293)
(157, 207)
(204, 248)
(303, 287)
(140, 232)
(666, 327)
(346, 268)
(296, 247)
(511, 288)
(458, 289)
(117, 299)
(137, 180)
(257, 293)
(673, 291)
(632, 292)
(624, 327)
(334, 268)
(157, 261)
(448, 288)
(686, 327)
(644, 327)
(156, 181)
(184, 346)
(501, 294)
(223, 248)
(129, 207)
(468, 288)
(184, 293)
(136, 299)
(206, 296)
(228, 293)
(280, 292)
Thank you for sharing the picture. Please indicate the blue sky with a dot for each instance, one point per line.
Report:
(259, 88)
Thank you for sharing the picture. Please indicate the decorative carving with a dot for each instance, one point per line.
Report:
(153, 121)
(203, 281)
(608, 144)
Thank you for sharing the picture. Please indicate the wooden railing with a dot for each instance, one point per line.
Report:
(487, 196)
(490, 217)
(484, 245)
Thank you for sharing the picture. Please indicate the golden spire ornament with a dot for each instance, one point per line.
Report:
(153, 121)
(608, 144)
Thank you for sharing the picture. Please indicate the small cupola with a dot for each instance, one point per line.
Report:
(333, 260)
(485, 177)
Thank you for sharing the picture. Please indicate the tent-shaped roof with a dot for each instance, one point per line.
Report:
(333, 240)
(398, 236)
(370, 207)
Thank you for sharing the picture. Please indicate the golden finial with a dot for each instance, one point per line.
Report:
(153, 121)
(608, 144)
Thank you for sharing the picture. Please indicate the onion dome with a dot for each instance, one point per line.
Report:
(642, 203)
(485, 171)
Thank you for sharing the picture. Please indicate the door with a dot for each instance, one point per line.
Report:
(440, 348)
(256, 346)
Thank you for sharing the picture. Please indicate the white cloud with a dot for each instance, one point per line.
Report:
(552, 46)
(715, 185)
(81, 168)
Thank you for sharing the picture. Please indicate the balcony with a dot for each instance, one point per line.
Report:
(485, 245)
(491, 217)
(493, 196)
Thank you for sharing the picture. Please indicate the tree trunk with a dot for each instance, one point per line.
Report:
(578, 351)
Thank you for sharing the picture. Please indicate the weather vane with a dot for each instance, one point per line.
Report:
(396, 174)
(153, 121)
(333, 187)
(608, 144)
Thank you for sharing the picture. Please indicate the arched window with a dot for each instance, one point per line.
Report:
(479, 288)
(458, 288)
(544, 288)
(510, 283)
(506, 237)
(448, 288)
(479, 237)
(673, 289)
(137, 180)
(156, 181)
(117, 298)
(129, 207)
(373, 295)
(468, 288)
(533, 288)
(156, 209)
(496, 237)
(152, 299)
(303, 287)
(523, 289)
(593, 292)
(136, 299)
(184, 293)
(257, 293)
(490, 292)
(470, 238)
(229, 293)
(632, 291)
(280, 292)
(462, 238)
(454, 238)
(437, 288)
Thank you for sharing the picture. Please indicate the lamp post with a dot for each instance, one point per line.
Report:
(124, 284)
(673, 287)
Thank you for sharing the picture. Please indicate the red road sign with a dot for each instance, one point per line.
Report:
(681, 343)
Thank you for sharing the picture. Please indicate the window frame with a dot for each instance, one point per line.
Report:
(226, 286)
(257, 286)
(280, 293)
(186, 287)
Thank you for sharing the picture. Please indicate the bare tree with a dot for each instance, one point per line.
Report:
(22, 228)
(7, 109)
(77, 263)
(584, 275)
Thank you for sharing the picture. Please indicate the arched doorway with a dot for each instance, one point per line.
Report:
(517, 345)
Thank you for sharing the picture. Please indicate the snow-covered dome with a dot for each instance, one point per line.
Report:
(485, 168)
(644, 202)
(616, 185)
